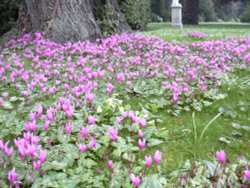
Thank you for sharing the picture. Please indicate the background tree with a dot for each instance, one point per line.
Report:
(207, 11)
(191, 12)
(162, 8)
(137, 12)
(230, 11)
(8, 14)
(73, 20)
(245, 17)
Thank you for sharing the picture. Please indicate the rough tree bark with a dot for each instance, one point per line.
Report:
(60, 20)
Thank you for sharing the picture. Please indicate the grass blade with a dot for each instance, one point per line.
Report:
(210, 122)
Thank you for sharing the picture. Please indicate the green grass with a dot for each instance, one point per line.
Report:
(181, 144)
(216, 31)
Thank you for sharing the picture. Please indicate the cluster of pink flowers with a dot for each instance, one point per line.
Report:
(28, 151)
(81, 71)
(148, 162)
(196, 35)
(5, 149)
(221, 157)
(181, 69)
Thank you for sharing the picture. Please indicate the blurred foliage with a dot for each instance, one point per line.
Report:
(107, 18)
(8, 14)
(246, 15)
(231, 11)
(137, 12)
(207, 11)
(162, 9)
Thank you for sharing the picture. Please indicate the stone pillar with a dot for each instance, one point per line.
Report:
(176, 14)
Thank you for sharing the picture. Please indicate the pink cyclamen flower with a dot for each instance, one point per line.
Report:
(33, 126)
(110, 164)
(1, 101)
(39, 110)
(142, 122)
(90, 97)
(31, 149)
(221, 156)
(8, 152)
(140, 134)
(82, 148)
(49, 115)
(68, 128)
(113, 134)
(25, 94)
(32, 116)
(5, 95)
(43, 155)
(118, 121)
(84, 132)
(36, 165)
(124, 115)
(92, 143)
(109, 88)
(91, 120)
(183, 181)
(142, 144)
(34, 139)
(46, 125)
(157, 157)
(12, 178)
(247, 174)
(148, 161)
(70, 112)
(66, 87)
(135, 180)
(120, 78)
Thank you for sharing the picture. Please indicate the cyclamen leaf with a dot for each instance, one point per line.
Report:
(152, 182)
(7, 105)
(56, 165)
(154, 142)
(225, 140)
(72, 150)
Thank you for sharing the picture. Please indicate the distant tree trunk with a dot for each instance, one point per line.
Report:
(191, 14)
(60, 20)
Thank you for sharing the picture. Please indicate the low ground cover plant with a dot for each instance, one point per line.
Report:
(64, 123)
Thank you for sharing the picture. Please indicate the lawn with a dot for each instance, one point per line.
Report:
(181, 144)
(216, 31)
(160, 108)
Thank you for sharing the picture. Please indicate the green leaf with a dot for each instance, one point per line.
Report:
(225, 140)
(7, 105)
(154, 142)
(72, 150)
(117, 153)
(89, 163)
(56, 165)
(207, 103)
(152, 182)
(147, 133)
(163, 133)
(236, 125)
(211, 167)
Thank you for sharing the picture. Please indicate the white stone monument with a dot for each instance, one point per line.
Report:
(176, 14)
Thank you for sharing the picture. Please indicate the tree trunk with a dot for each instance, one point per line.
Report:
(191, 14)
(60, 20)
